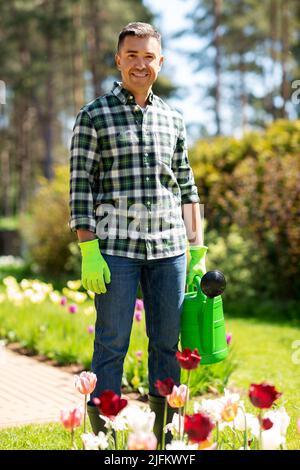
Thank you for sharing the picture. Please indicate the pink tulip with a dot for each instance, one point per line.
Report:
(178, 396)
(90, 329)
(63, 301)
(72, 308)
(139, 304)
(228, 338)
(71, 419)
(138, 315)
(85, 383)
(298, 425)
(139, 354)
(142, 441)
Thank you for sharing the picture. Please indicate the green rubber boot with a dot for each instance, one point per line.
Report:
(97, 423)
(157, 404)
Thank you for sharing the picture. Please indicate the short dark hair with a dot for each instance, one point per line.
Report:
(141, 30)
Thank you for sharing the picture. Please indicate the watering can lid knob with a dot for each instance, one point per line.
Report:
(213, 283)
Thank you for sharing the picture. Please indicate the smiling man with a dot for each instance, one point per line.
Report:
(129, 163)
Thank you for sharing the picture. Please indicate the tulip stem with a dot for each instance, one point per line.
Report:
(84, 416)
(260, 431)
(72, 439)
(187, 393)
(163, 436)
(179, 425)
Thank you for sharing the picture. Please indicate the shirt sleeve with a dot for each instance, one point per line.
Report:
(84, 166)
(182, 169)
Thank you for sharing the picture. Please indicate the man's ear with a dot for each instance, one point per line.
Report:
(117, 60)
(161, 60)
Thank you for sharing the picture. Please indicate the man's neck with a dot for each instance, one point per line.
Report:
(140, 98)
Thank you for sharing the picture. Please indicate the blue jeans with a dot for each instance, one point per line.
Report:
(163, 286)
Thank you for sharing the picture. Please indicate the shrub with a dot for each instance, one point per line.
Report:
(51, 245)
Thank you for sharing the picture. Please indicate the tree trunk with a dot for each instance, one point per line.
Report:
(95, 52)
(217, 63)
(284, 54)
(77, 58)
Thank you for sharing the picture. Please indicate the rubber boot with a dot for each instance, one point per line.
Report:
(157, 404)
(97, 423)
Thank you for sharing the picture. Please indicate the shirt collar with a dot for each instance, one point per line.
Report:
(125, 96)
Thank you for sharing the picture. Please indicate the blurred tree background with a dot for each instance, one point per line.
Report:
(56, 55)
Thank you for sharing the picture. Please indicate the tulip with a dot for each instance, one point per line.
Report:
(228, 338)
(63, 301)
(92, 442)
(188, 359)
(142, 441)
(180, 445)
(263, 395)
(72, 308)
(109, 403)
(91, 329)
(298, 425)
(178, 396)
(164, 387)
(139, 354)
(85, 383)
(139, 305)
(266, 424)
(198, 427)
(138, 419)
(138, 315)
(71, 420)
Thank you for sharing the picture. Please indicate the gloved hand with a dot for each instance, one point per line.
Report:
(94, 269)
(197, 263)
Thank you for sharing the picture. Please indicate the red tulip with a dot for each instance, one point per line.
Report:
(165, 387)
(109, 403)
(71, 419)
(198, 427)
(188, 359)
(266, 424)
(263, 395)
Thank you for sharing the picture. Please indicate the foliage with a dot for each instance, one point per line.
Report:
(253, 183)
(51, 244)
(31, 314)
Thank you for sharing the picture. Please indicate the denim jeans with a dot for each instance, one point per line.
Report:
(163, 285)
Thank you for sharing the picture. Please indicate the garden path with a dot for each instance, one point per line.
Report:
(34, 392)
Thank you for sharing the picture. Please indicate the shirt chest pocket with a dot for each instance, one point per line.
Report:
(164, 147)
(119, 149)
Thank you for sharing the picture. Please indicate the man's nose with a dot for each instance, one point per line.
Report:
(139, 63)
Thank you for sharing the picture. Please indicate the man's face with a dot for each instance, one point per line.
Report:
(139, 61)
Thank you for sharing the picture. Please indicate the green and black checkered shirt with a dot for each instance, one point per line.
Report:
(130, 174)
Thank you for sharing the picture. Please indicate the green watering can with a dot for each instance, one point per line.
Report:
(202, 320)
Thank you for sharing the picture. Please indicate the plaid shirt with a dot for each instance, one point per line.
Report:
(129, 165)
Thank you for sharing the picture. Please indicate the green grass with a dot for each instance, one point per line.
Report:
(38, 437)
(264, 353)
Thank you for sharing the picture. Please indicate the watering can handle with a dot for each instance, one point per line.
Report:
(196, 282)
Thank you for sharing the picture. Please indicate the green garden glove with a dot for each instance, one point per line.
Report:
(197, 263)
(94, 269)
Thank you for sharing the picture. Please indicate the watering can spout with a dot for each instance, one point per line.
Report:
(202, 320)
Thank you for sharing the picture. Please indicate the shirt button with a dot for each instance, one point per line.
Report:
(147, 178)
(136, 108)
(148, 202)
(146, 154)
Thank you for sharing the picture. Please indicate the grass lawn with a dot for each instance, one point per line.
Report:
(263, 351)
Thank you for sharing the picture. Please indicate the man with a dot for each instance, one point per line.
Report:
(129, 161)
